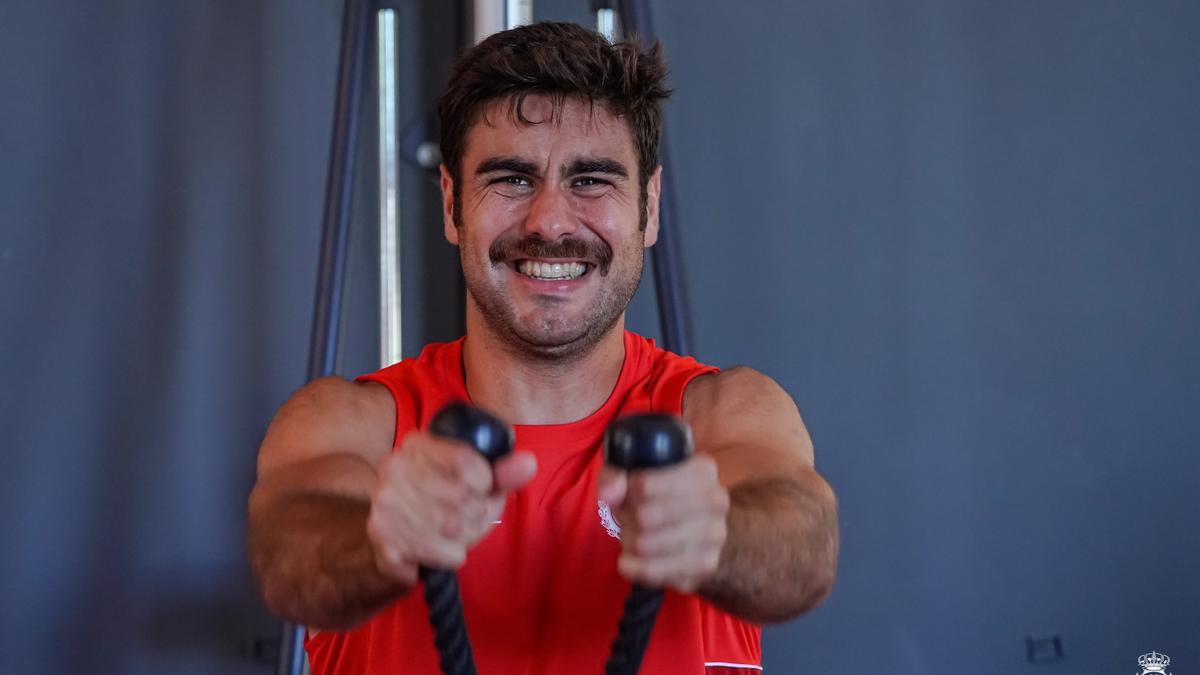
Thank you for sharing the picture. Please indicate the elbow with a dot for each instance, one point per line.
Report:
(278, 600)
(810, 591)
(813, 579)
(818, 588)
(822, 570)
(822, 575)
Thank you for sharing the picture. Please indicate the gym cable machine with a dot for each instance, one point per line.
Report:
(613, 18)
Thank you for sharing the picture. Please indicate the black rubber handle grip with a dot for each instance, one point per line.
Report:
(632, 443)
(493, 439)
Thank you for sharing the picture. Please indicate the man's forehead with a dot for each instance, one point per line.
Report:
(538, 121)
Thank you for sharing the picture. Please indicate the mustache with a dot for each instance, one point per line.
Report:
(508, 249)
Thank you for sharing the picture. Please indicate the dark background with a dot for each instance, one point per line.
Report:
(964, 235)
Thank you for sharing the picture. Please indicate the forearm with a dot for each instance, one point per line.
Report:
(780, 555)
(315, 563)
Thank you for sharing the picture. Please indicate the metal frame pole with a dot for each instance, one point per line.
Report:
(390, 300)
(327, 311)
(670, 291)
(493, 16)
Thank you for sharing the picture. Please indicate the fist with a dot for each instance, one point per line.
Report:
(435, 498)
(672, 522)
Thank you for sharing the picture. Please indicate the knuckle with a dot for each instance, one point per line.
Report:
(456, 556)
(645, 517)
(457, 492)
(639, 486)
(451, 524)
(643, 546)
(657, 575)
(686, 585)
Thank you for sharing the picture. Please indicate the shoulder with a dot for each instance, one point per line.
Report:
(329, 415)
(739, 388)
(337, 399)
(335, 394)
(743, 406)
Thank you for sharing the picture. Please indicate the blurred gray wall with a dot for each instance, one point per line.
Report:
(964, 235)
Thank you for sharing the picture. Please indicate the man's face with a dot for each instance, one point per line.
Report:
(549, 232)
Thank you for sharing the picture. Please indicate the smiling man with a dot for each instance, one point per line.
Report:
(550, 189)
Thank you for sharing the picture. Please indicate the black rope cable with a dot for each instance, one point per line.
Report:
(646, 441)
(493, 439)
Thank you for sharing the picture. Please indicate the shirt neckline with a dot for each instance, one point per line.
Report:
(584, 428)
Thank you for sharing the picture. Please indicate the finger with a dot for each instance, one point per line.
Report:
(464, 522)
(390, 561)
(473, 469)
(456, 461)
(432, 533)
(684, 572)
(514, 471)
(654, 513)
(694, 535)
(442, 554)
(697, 472)
(611, 486)
(495, 508)
(414, 488)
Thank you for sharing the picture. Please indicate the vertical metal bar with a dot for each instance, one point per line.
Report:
(488, 16)
(493, 16)
(606, 23)
(327, 311)
(673, 308)
(518, 13)
(390, 301)
(669, 288)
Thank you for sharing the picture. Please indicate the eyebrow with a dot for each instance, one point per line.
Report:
(513, 164)
(595, 165)
(575, 167)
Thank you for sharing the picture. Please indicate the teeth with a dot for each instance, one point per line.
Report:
(542, 270)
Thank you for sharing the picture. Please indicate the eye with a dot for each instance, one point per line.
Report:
(514, 180)
(590, 182)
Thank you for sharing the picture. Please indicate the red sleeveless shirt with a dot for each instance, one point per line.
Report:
(541, 594)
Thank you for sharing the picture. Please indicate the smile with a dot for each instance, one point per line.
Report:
(552, 271)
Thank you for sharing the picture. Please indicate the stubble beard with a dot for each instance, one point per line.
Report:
(550, 336)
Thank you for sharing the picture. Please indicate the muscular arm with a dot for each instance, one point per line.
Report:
(781, 547)
(307, 541)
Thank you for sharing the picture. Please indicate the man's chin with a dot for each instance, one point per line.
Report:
(556, 343)
(549, 343)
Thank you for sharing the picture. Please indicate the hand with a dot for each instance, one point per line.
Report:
(672, 522)
(435, 499)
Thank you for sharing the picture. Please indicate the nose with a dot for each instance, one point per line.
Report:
(550, 214)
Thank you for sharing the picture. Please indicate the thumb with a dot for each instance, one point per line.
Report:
(611, 486)
(514, 471)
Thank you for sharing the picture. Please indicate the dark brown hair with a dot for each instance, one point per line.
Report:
(561, 60)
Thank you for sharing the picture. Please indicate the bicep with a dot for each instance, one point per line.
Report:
(749, 425)
(327, 437)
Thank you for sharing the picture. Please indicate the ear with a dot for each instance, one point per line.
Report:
(653, 192)
(448, 228)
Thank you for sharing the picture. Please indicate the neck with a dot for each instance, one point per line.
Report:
(526, 389)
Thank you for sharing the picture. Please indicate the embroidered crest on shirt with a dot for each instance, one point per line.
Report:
(606, 519)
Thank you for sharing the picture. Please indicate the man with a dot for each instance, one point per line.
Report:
(551, 192)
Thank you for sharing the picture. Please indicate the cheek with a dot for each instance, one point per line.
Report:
(608, 218)
(494, 209)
